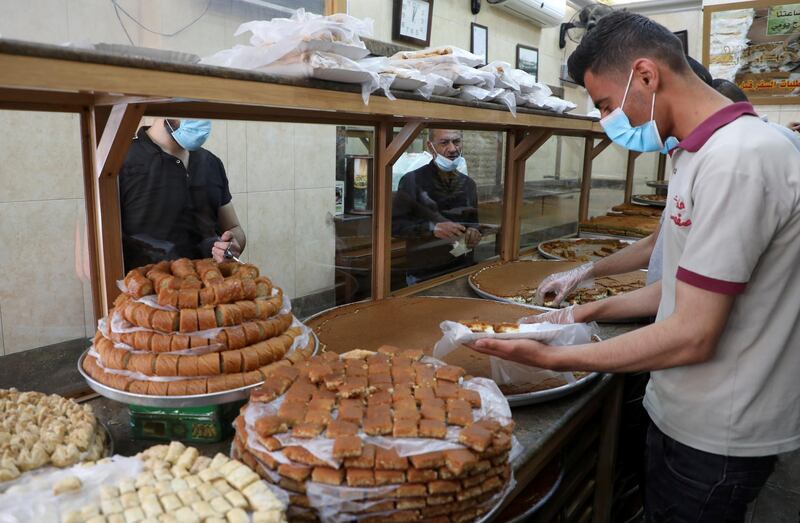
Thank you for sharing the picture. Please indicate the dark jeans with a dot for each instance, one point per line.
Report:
(686, 485)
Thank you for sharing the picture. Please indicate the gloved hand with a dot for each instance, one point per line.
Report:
(560, 316)
(563, 283)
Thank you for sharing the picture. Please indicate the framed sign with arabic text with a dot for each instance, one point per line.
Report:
(756, 45)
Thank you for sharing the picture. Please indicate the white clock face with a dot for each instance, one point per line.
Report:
(414, 19)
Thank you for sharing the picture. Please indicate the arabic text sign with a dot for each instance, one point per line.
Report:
(783, 19)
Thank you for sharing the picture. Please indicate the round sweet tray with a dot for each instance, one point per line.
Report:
(145, 400)
(413, 323)
(531, 499)
(582, 246)
(638, 200)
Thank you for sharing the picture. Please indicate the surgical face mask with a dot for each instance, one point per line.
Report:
(644, 138)
(192, 134)
(448, 165)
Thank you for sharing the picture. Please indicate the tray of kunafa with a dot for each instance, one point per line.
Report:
(387, 435)
(415, 323)
(192, 332)
(165, 484)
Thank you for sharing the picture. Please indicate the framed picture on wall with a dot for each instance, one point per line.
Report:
(528, 60)
(683, 36)
(479, 41)
(411, 21)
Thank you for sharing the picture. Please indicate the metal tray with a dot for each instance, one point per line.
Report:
(549, 256)
(514, 400)
(542, 501)
(636, 198)
(144, 400)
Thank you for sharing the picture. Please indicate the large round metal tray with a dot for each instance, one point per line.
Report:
(542, 501)
(550, 256)
(144, 400)
(638, 200)
(426, 333)
(541, 308)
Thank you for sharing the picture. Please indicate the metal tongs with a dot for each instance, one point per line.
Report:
(229, 255)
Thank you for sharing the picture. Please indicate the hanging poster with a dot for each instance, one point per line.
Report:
(757, 46)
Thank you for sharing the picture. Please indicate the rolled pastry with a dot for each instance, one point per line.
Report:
(236, 337)
(191, 282)
(137, 284)
(231, 361)
(252, 332)
(182, 268)
(207, 296)
(188, 298)
(249, 289)
(143, 315)
(195, 387)
(179, 342)
(228, 315)
(248, 309)
(187, 365)
(249, 359)
(263, 287)
(198, 341)
(142, 340)
(166, 321)
(160, 342)
(157, 388)
(188, 320)
(168, 297)
(166, 365)
(208, 364)
(178, 388)
(206, 318)
(216, 384)
(138, 387)
(142, 363)
(234, 381)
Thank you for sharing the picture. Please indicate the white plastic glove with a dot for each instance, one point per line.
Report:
(563, 283)
(560, 316)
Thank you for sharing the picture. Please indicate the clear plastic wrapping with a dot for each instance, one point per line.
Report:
(505, 372)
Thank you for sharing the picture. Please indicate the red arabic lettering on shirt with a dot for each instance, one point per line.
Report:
(677, 219)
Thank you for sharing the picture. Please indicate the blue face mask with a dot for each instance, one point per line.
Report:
(644, 138)
(448, 165)
(192, 134)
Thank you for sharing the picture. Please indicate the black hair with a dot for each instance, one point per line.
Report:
(621, 37)
(729, 89)
(700, 70)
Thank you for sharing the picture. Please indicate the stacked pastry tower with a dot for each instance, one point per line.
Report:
(38, 429)
(378, 437)
(192, 327)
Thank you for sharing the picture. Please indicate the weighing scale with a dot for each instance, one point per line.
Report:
(206, 424)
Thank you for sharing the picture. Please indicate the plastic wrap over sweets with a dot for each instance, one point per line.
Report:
(505, 372)
(15, 501)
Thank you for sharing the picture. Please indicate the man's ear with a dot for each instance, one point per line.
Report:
(647, 72)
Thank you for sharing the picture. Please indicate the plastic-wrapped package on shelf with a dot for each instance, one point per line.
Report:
(474, 93)
(503, 75)
(446, 54)
(280, 37)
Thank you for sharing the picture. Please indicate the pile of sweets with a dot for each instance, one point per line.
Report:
(386, 436)
(192, 327)
(38, 430)
(178, 485)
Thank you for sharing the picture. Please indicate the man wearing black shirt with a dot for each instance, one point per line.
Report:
(174, 197)
(435, 206)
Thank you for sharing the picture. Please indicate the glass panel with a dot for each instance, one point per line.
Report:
(198, 27)
(646, 170)
(608, 180)
(45, 290)
(445, 221)
(552, 191)
(282, 179)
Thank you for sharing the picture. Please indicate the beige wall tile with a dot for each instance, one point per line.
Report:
(271, 241)
(314, 156)
(34, 20)
(270, 165)
(236, 165)
(788, 115)
(40, 294)
(204, 37)
(315, 240)
(2, 344)
(240, 204)
(217, 141)
(41, 155)
(96, 22)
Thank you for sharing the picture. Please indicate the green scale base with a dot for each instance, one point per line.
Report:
(209, 424)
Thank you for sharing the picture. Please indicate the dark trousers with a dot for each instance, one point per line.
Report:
(685, 485)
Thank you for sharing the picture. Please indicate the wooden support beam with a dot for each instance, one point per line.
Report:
(586, 180)
(630, 171)
(662, 167)
(600, 147)
(510, 213)
(604, 479)
(93, 232)
(116, 137)
(388, 149)
(525, 144)
(35, 100)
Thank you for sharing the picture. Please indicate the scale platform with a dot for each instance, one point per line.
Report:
(206, 424)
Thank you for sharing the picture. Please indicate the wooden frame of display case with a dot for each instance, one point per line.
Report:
(111, 99)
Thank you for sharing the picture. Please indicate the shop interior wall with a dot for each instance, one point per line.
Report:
(281, 175)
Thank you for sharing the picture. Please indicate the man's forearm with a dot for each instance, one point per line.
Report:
(239, 236)
(640, 303)
(631, 258)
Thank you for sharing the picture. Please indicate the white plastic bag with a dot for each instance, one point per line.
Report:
(444, 54)
(505, 372)
(503, 75)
